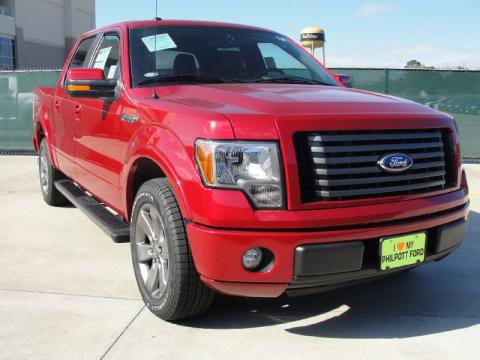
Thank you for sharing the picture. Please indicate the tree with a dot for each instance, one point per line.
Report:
(414, 64)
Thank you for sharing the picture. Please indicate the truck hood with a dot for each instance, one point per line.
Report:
(260, 111)
(282, 99)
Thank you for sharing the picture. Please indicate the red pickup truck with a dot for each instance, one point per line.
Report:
(234, 162)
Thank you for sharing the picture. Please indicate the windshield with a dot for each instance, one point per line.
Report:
(199, 54)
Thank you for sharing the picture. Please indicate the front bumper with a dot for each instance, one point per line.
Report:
(218, 253)
(441, 241)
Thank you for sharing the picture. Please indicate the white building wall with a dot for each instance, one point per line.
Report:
(7, 26)
(45, 30)
(42, 21)
(83, 18)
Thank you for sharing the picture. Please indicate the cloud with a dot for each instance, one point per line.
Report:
(376, 9)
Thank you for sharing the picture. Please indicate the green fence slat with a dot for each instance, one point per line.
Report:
(16, 89)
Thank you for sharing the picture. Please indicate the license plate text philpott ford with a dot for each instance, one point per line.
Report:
(402, 251)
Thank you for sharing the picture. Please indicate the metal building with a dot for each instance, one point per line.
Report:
(40, 33)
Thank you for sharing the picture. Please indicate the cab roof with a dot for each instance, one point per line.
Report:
(147, 23)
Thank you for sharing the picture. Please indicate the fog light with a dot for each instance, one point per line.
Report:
(252, 258)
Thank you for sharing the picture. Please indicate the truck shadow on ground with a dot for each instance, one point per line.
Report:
(431, 299)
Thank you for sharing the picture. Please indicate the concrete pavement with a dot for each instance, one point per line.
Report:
(68, 292)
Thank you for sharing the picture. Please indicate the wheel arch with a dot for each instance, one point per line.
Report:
(149, 161)
(39, 134)
(142, 170)
(41, 130)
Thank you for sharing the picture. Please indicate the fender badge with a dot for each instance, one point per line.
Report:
(129, 118)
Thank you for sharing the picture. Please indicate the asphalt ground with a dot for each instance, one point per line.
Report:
(68, 292)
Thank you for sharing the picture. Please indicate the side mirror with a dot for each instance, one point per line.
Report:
(90, 83)
(344, 79)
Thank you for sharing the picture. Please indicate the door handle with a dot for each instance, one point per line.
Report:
(57, 105)
(78, 109)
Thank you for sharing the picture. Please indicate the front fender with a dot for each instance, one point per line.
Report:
(174, 156)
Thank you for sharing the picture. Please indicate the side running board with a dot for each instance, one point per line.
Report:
(111, 224)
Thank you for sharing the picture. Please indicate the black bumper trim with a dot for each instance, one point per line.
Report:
(449, 235)
(328, 258)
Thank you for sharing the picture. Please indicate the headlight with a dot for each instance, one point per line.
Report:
(253, 167)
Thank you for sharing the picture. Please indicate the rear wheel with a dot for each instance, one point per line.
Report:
(166, 276)
(48, 175)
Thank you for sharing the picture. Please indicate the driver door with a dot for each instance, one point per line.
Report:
(97, 146)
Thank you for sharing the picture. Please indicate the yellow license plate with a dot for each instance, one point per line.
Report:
(399, 251)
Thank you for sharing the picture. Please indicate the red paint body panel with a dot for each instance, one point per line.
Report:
(246, 289)
(91, 144)
(85, 74)
(230, 209)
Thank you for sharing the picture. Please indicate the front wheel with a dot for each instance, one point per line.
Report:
(48, 175)
(166, 276)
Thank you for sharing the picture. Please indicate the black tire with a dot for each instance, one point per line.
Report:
(48, 175)
(183, 295)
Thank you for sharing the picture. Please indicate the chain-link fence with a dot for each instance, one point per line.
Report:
(455, 92)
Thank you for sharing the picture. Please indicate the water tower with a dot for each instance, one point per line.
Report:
(313, 38)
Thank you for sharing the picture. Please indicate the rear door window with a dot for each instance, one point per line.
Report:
(79, 60)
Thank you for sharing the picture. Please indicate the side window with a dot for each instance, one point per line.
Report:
(78, 60)
(108, 56)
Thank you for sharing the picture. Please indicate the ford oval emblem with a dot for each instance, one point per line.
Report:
(395, 163)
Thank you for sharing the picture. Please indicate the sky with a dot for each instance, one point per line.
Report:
(359, 33)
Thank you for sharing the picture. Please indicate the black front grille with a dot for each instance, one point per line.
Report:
(342, 165)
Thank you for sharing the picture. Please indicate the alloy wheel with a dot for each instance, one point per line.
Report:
(152, 250)
(43, 170)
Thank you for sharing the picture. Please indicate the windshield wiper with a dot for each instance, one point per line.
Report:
(290, 80)
(186, 78)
